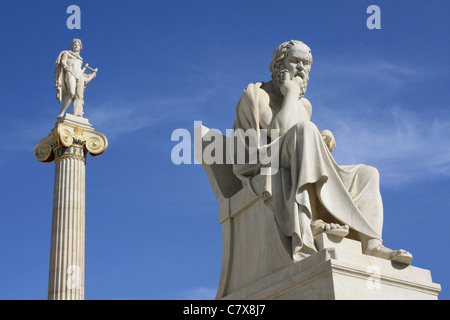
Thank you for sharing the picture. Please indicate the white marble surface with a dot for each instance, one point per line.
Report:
(71, 80)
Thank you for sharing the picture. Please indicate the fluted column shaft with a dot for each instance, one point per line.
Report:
(67, 145)
(66, 276)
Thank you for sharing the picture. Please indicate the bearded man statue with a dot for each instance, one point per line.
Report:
(309, 193)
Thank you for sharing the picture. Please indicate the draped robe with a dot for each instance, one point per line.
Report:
(309, 184)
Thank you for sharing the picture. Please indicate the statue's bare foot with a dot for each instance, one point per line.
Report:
(380, 251)
(319, 226)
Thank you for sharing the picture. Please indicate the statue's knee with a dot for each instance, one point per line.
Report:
(305, 127)
(371, 172)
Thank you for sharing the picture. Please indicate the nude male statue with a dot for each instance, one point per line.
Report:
(70, 79)
(310, 193)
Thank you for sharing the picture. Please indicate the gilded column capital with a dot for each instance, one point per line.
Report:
(70, 140)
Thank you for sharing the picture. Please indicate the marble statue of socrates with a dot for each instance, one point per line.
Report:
(70, 79)
(310, 193)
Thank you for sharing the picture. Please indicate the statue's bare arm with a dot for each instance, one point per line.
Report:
(283, 112)
(64, 62)
(290, 112)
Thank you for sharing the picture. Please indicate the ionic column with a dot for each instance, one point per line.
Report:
(67, 145)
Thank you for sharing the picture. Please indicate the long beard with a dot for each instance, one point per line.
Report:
(302, 82)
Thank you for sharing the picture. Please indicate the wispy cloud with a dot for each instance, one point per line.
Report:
(393, 74)
(405, 143)
(404, 149)
(115, 116)
(200, 293)
(123, 117)
(372, 64)
(23, 135)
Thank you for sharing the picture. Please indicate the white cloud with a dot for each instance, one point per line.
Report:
(405, 149)
(112, 118)
(404, 141)
(20, 135)
(129, 116)
(200, 293)
(375, 69)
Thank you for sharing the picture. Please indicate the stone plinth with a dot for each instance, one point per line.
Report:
(341, 273)
(256, 263)
(67, 145)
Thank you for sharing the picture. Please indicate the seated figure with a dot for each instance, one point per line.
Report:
(308, 193)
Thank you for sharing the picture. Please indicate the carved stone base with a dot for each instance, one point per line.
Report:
(341, 273)
(70, 119)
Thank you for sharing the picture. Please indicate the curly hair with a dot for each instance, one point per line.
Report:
(280, 53)
(79, 42)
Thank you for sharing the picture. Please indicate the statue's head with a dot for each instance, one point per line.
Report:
(76, 45)
(294, 57)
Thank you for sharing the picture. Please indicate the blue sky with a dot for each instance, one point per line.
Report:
(152, 228)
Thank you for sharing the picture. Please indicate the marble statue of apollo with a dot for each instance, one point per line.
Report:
(70, 79)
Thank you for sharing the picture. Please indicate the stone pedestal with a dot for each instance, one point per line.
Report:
(67, 145)
(339, 272)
